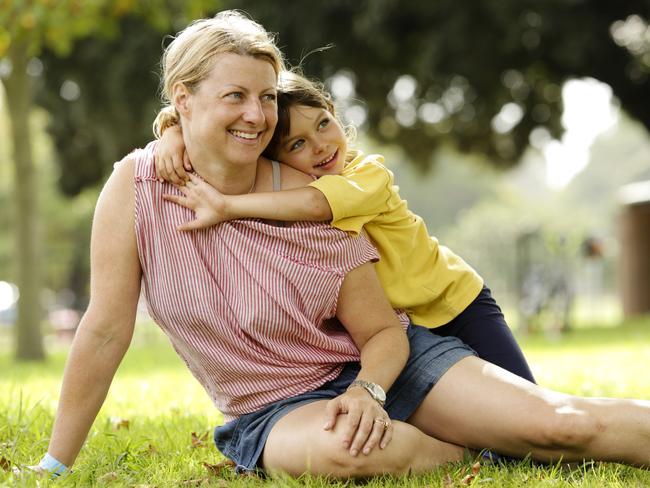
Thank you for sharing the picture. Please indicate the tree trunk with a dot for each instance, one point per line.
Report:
(18, 86)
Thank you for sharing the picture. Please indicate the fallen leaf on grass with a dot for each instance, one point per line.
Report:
(468, 479)
(219, 469)
(105, 478)
(119, 423)
(197, 482)
(5, 464)
(204, 481)
(199, 441)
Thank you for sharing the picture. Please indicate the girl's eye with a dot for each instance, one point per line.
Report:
(297, 144)
(324, 123)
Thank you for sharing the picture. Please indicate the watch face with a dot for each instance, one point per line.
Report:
(378, 393)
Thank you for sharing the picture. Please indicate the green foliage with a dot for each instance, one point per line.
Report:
(38, 23)
(56, 24)
(120, 87)
(116, 102)
(467, 61)
(27, 27)
(6, 202)
(470, 58)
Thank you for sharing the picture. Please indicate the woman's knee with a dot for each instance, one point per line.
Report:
(396, 458)
(564, 426)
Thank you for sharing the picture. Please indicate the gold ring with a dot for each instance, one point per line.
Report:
(385, 423)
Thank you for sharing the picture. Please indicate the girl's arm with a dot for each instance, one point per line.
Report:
(105, 331)
(172, 161)
(211, 206)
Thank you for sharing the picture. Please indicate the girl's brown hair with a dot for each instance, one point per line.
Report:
(296, 89)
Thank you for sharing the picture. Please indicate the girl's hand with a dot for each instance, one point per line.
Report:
(209, 205)
(366, 424)
(172, 161)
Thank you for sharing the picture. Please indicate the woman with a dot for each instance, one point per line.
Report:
(304, 395)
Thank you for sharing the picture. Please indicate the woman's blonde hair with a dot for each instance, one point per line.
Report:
(190, 56)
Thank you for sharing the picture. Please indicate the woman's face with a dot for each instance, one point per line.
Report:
(316, 143)
(231, 115)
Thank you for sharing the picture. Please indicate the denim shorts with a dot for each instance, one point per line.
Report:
(243, 439)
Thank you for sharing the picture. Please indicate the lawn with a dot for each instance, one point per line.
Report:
(154, 430)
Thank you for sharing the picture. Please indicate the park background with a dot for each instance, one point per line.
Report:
(517, 129)
(512, 129)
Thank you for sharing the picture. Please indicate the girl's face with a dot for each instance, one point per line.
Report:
(232, 114)
(316, 143)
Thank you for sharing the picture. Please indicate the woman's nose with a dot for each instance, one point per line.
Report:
(253, 112)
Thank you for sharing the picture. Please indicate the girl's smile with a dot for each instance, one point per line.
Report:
(316, 143)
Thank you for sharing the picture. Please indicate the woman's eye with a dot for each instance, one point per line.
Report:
(271, 97)
(324, 123)
(235, 95)
(297, 144)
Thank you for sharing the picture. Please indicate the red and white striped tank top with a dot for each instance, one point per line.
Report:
(244, 303)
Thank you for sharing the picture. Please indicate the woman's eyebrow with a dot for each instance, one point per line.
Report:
(272, 88)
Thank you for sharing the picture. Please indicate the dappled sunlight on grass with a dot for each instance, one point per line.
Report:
(599, 361)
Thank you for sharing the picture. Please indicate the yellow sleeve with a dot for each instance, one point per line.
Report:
(358, 195)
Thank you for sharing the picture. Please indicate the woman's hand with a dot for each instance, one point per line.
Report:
(172, 161)
(209, 205)
(366, 424)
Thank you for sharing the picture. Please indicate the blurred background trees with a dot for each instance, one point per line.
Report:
(27, 29)
(451, 90)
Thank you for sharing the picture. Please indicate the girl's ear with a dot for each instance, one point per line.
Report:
(181, 98)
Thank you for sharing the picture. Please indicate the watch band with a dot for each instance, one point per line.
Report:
(375, 391)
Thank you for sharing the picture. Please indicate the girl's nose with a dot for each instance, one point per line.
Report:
(319, 147)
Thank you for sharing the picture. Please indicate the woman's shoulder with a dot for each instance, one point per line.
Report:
(290, 178)
(139, 163)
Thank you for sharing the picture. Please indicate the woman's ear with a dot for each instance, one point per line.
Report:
(181, 98)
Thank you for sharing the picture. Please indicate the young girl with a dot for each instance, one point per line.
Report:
(354, 192)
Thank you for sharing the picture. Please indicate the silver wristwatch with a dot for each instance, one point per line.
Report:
(376, 391)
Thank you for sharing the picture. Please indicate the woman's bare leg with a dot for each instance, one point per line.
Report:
(298, 444)
(479, 405)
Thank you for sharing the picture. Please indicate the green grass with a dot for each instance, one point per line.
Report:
(164, 405)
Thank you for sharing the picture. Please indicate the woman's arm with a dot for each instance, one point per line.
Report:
(365, 312)
(105, 331)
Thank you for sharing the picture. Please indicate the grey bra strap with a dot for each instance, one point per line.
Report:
(277, 183)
